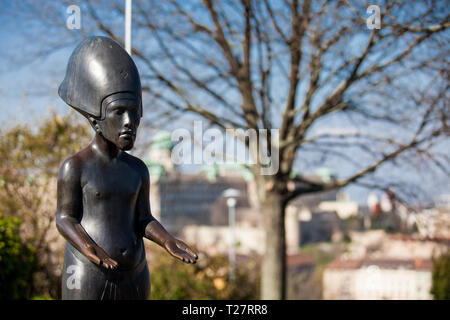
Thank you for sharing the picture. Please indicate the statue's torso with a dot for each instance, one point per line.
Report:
(109, 210)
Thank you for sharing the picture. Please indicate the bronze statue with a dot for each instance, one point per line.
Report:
(103, 208)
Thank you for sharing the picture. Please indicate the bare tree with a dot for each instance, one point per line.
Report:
(340, 93)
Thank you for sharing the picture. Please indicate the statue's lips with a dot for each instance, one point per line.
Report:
(127, 135)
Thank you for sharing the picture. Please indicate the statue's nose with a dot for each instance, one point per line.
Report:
(127, 120)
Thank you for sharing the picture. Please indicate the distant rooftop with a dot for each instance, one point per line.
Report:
(411, 238)
(389, 264)
(299, 259)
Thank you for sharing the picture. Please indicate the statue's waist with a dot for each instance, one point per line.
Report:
(123, 271)
(121, 234)
(121, 244)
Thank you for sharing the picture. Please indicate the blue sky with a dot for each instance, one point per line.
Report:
(28, 92)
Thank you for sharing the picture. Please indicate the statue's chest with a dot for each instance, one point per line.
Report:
(114, 183)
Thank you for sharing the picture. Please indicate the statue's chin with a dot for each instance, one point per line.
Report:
(125, 144)
(126, 147)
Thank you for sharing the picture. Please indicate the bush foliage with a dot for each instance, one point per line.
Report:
(440, 288)
(17, 261)
(208, 279)
(30, 157)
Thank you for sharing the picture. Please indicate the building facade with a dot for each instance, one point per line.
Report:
(368, 279)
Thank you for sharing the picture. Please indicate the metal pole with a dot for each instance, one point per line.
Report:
(231, 202)
(128, 26)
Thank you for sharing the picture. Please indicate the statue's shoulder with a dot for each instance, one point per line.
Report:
(71, 167)
(136, 163)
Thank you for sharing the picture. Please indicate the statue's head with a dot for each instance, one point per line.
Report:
(103, 84)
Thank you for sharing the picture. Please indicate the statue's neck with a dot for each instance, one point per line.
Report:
(105, 148)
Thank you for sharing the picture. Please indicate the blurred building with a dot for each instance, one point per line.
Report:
(383, 266)
(379, 245)
(300, 273)
(193, 205)
(194, 200)
(318, 217)
(378, 279)
(216, 239)
(433, 222)
(179, 200)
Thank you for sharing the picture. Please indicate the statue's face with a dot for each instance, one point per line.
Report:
(121, 123)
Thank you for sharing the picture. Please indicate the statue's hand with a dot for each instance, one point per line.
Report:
(180, 250)
(98, 256)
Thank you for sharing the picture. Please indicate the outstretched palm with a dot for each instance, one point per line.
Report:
(180, 250)
(100, 257)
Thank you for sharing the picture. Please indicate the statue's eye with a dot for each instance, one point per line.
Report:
(119, 111)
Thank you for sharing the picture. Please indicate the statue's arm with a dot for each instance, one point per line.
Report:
(154, 231)
(69, 211)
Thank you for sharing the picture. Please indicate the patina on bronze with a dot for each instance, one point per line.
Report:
(103, 208)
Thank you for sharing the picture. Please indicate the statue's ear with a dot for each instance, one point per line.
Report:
(95, 124)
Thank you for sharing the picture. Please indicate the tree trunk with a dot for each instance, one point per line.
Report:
(273, 276)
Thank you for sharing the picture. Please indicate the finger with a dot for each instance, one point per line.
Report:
(191, 256)
(177, 255)
(182, 255)
(106, 263)
(188, 258)
(185, 258)
(191, 252)
(113, 262)
(195, 256)
(186, 248)
(110, 263)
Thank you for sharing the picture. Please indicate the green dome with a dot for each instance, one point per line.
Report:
(155, 169)
(326, 174)
(162, 141)
(211, 171)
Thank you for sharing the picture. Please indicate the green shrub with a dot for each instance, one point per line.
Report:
(16, 261)
(440, 288)
(42, 297)
(205, 280)
(30, 157)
